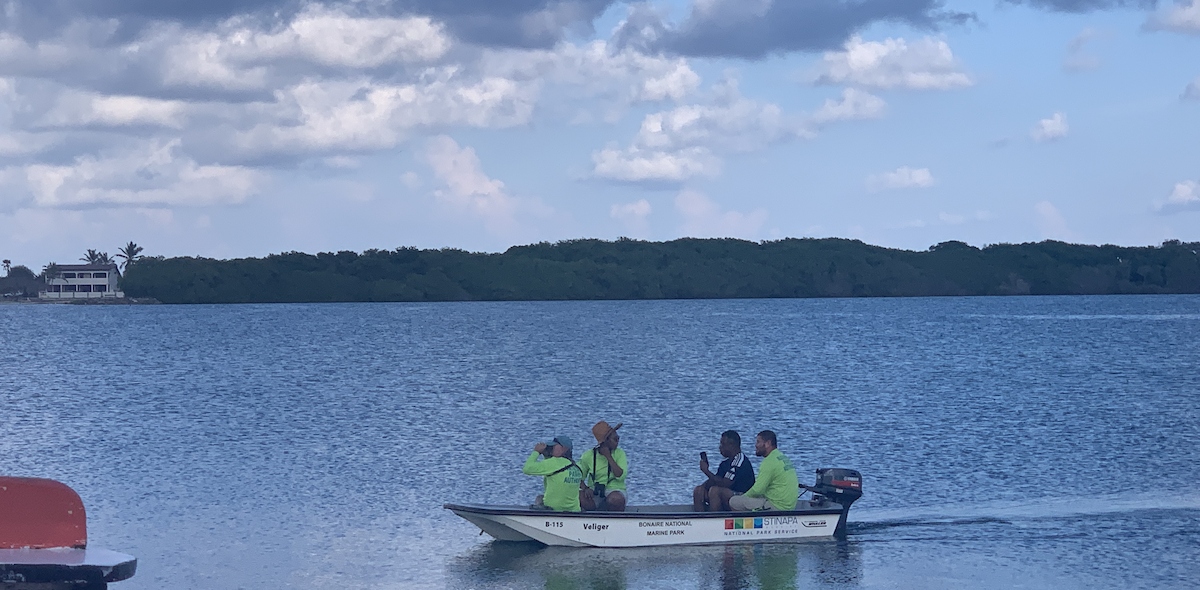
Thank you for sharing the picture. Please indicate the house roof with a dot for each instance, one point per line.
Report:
(86, 267)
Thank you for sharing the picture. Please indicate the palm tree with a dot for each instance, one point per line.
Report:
(50, 272)
(131, 253)
(97, 257)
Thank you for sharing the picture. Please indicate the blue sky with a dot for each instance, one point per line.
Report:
(246, 127)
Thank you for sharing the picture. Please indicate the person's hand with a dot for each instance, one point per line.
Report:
(704, 465)
(538, 448)
(605, 452)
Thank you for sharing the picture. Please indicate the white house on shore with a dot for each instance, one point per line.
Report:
(84, 281)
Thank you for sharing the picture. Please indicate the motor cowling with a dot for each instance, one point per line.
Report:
(841, 486)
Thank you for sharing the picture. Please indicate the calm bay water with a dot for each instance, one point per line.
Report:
(1037, 442)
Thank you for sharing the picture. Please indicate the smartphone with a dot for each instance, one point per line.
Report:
(703, 455)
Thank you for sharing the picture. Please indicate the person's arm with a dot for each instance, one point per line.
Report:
(535, 467)
(766, 473)
(616, 470)
(718, 479)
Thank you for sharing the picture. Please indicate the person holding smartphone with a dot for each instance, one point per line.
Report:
(734, 476)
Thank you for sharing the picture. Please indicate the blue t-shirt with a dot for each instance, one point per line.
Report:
(738, 469)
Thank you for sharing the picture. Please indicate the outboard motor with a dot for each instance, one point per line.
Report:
(841, 486)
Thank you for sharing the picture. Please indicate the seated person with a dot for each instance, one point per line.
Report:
(604, 468)
(734, 475)
(777, 487)
(561, 476)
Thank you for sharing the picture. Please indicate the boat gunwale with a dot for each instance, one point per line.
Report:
(835, 510)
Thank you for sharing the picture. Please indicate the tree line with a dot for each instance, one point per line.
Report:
(678, 269)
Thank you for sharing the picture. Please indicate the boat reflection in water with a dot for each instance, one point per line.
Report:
(767, 566)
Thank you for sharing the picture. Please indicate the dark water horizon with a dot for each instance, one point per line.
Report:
(1029, 442)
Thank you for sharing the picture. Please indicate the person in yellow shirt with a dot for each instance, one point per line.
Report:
(561, 477)
(604, 470)
(777, 487)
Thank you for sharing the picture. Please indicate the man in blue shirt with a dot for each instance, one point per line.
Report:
(735, 475)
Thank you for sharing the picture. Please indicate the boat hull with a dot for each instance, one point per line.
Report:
(650, 526)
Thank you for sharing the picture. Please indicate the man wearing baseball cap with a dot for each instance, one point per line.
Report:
(560, 475)
(604, 470)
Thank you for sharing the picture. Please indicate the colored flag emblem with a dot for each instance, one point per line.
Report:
(758, 523)
(728, 523)
(748, 523)
(739, 523)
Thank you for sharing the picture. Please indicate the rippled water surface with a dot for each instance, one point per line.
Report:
(1036, 442)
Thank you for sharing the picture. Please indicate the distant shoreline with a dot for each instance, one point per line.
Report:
(680, 269)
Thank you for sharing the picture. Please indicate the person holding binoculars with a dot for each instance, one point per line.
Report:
(561, 477)
(605, 467)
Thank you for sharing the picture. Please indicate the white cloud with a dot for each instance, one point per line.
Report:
(1077, 58)
(1050, 129)
(633, 215)
(626, 75)
(1184, 197)
(467, 187)
(153, 173)
(681, 143)
(636, 165)
(927, 64)
(1051, 222)
(903, 177)
(854, 104)
(703, 218)
(84, 109)
(235, 56)
(321, 116)
(1181, 17)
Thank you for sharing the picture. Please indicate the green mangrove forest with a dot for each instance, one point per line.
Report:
(679, 269)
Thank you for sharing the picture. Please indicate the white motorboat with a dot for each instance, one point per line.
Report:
(823, 516)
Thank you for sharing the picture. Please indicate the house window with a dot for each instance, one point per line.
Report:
(68, 275)
(85, 275)
(55, 288)
(99, 275)
(99, 288)
(85, 288)
(69, 288)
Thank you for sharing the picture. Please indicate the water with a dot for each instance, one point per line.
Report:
(1047, 442)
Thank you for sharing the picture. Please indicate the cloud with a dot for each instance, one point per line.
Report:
(600, 69)
(1192, 92)
(1181, 17)
(753, 29)
(1185, 197)
(678, 144)
(703, 218)
(1080, 6)
(1050, 129)
(903, 177)
(633, 215)
(1051, 222)
(854, 104)
(1077, 58)
(927, 64)
(330, 116)
(82, 109)
(153, 173)
(467, 188)
(521, 23)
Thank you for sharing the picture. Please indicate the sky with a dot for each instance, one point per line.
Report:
(237, 128)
